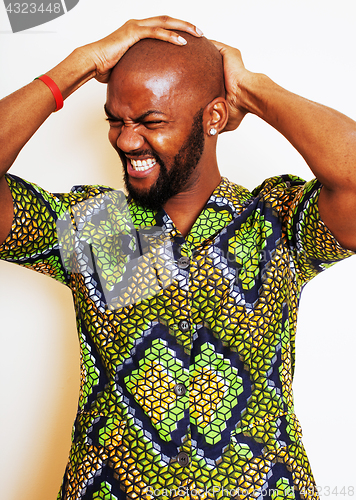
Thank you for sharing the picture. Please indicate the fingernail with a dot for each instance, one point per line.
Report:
(199, 31)
(182, 40)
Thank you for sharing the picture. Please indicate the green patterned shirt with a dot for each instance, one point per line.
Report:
(186, 385)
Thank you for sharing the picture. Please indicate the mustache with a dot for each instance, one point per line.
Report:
(143, 152)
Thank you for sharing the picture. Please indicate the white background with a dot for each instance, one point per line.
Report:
(306, 46)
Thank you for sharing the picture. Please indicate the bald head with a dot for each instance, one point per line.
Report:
(163, 103)
(196, 68)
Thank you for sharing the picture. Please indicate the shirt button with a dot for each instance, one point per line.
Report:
(183, 262)
(183, 325)
(180, 389)
(183, 458)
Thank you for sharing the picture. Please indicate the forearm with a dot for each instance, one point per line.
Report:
(324, 137)
(24, 111)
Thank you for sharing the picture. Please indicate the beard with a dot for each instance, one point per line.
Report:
(170, 183)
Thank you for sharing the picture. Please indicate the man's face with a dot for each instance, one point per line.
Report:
(157, 134)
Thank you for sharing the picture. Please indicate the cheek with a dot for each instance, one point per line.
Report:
(165, 144)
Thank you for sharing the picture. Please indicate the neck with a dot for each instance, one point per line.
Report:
(185, 207)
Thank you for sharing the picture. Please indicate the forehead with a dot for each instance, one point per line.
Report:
(135, 89)
(135, 92)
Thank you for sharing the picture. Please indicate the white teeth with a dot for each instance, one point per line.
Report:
(142, 165)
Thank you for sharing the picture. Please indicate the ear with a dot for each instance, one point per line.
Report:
(215, 116)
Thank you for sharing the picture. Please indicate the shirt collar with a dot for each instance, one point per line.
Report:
(225, 203)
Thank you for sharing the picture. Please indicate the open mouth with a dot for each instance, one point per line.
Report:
(142, 165)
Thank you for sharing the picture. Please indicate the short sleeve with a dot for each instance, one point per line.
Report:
(313, 247)
(32, 241)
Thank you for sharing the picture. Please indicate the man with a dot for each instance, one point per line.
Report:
(186, 392)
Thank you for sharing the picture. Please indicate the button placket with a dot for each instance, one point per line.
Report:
(184, 325)
(184, 310)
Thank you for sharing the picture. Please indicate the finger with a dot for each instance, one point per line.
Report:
(220, 46)
(227, 51)
(170, 23)
(162, 34)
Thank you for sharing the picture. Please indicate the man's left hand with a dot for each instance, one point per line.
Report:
(234, 73)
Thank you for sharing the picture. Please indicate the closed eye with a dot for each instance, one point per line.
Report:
(112, 120)
(153, 123)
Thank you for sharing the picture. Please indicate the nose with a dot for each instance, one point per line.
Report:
(129, 139)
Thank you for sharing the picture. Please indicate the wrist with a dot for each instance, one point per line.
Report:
(253, 89)
(72, 72)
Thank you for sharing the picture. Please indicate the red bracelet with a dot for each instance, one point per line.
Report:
(54, 89)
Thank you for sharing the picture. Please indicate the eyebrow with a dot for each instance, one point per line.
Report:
(138, 119)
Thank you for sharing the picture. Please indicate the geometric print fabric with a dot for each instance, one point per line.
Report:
(188, 392)
(214, 384)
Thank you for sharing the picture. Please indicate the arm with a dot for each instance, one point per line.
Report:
(324, 137)
(24, 111)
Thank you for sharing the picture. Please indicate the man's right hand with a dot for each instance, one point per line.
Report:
(96, 60)
(106, 52)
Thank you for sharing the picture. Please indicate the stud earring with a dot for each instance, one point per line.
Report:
(212, 131)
